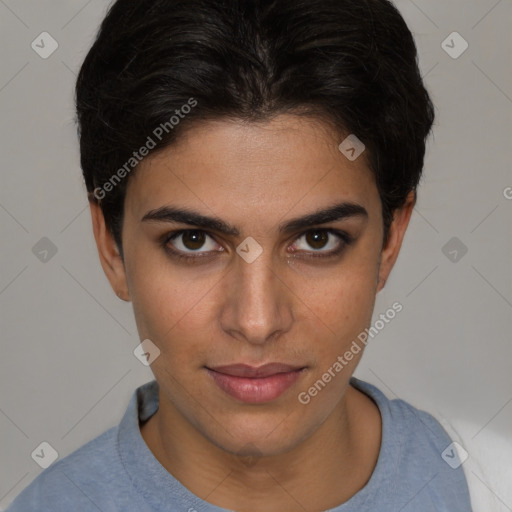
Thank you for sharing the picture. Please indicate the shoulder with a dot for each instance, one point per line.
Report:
(95, 476)
(426, 448)
(424, 464)
(75, 481)
(406, 426)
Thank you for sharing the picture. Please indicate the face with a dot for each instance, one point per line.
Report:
(263, 284)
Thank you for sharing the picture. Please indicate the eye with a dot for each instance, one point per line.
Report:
(191, 240)
(332, 240)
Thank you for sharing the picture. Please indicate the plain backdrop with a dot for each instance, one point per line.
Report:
(67, 367)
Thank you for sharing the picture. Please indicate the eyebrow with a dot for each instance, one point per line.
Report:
(333, 213)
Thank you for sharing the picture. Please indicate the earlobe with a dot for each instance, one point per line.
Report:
(109, 254)
(390, 251)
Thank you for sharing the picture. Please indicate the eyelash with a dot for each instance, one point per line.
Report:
(345, 240)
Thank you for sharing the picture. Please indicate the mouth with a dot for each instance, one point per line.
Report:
(255, 384)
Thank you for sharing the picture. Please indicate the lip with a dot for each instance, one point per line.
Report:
(245, 370)
(255, 384)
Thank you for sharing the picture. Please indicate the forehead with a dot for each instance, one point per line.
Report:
(230, 167)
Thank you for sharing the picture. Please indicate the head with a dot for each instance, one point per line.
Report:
(235, 110)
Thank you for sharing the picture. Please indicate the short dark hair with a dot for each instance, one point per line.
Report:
(350, 63)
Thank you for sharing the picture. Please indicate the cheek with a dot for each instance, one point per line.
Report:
(351, 302)
(345, 313)
(340, 315)
(340, 308)
(341, 299)
(171, 306)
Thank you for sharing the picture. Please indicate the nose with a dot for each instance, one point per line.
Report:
(258, 305)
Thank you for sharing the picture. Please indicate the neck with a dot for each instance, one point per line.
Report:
(320, 472)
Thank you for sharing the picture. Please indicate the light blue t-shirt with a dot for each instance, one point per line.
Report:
(117, 471)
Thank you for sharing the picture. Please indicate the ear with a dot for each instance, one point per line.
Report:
(109, 254)
(389, 254)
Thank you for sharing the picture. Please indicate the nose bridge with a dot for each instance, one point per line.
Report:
(257, 304)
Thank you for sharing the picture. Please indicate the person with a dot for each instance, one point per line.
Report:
(252, 166)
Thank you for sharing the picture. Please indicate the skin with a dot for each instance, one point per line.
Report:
(285, 306)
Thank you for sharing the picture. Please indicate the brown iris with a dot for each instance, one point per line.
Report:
(317, 239)
(193, 240)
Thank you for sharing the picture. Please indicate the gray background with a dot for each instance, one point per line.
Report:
(68, 369)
